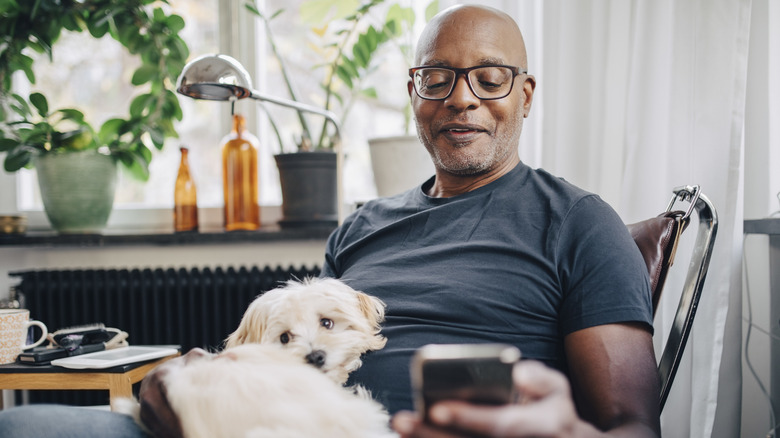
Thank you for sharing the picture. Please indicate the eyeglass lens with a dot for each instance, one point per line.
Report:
(486, 82)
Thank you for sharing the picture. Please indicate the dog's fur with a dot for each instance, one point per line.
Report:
(298, 310)
(256, 391)
(311, 335)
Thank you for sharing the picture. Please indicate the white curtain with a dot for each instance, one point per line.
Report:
(640, 97)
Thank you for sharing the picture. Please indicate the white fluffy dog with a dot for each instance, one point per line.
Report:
(323, 321)
(311, 335)
(255, 391)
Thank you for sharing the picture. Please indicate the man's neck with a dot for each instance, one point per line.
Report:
(447, 185)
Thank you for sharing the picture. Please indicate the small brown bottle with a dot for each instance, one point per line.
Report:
(239, 178)
(185, 200)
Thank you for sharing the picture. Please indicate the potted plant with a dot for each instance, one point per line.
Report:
(73, 159)
(350, 47)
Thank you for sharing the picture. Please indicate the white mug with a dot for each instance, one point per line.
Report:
(13, 333)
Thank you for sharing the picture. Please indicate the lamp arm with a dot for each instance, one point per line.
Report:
(330, 116)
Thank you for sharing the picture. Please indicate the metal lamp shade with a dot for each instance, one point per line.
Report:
(215, 77)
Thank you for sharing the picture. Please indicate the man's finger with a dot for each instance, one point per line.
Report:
(534, 380)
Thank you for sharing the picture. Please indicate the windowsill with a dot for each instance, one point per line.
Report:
(269, 233)
(154, 227)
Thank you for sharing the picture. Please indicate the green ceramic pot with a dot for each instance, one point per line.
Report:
(77, 189)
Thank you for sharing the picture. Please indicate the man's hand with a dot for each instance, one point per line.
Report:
(545, 409)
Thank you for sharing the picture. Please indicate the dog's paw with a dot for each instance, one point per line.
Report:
(131, 408)
(127, 406)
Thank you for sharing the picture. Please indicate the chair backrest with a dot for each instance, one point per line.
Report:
(657, 239)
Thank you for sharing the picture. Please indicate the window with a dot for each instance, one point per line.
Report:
(97, 81)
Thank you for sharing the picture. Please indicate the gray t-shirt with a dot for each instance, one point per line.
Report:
(524, 260)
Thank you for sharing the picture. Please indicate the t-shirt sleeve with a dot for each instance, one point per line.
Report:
(602, 272)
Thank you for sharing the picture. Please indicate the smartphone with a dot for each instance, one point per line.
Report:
(478, 373)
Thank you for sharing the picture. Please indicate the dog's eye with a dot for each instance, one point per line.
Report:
(327, 323)
(284, 338)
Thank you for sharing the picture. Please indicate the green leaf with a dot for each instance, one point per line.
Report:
(8, 5)
(361, 53)
(344, 76)
(159, 14)
(318, 12)
(168, 129)
(142, 151)
(175, 23)
(391, 29)
(252, 7)
(72, 114)
(431, 10)
(17, 158)
(98, 29)
(69, 22)
(21, 107)
(171, 108)
(144, 74)
(135, 163)
(111, 129)
(349, 67)
(369, 92)
(39, 101)
(140, 103)
(397, 16)
(157, 136)
(371, 39)
(23, 63)
(6, 144)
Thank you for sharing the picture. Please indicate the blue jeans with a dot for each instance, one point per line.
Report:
(58, 421)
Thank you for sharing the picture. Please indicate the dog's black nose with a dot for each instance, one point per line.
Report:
(316, 358)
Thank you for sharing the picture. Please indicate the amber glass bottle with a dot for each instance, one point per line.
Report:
(185, 200)
(239, 178)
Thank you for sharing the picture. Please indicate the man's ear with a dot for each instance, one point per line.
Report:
(410, 87)
(529, 85)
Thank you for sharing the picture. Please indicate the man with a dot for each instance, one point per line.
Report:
(489, 250)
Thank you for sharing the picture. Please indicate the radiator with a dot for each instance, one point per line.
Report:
(188, 307)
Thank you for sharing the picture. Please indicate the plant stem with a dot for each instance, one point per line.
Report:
(273, 126)
(288, 83)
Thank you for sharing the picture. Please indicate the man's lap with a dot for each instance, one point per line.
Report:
(57, 421)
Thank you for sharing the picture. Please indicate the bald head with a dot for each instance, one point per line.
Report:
(471, 22)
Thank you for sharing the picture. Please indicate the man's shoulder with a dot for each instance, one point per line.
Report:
(549, 189)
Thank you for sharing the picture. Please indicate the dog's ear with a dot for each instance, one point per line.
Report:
(374, 310)
(251, 328)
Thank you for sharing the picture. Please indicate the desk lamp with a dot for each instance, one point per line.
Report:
(222, 78)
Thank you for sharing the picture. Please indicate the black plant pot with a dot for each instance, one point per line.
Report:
(309, 189)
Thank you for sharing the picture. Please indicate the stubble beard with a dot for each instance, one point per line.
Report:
(474, 161)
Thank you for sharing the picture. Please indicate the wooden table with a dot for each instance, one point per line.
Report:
(117, 380)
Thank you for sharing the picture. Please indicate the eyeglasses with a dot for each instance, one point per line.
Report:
(487, 82)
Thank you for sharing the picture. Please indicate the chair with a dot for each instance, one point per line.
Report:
(657, 239)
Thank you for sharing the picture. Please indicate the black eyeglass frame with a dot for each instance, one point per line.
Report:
(516, 71)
